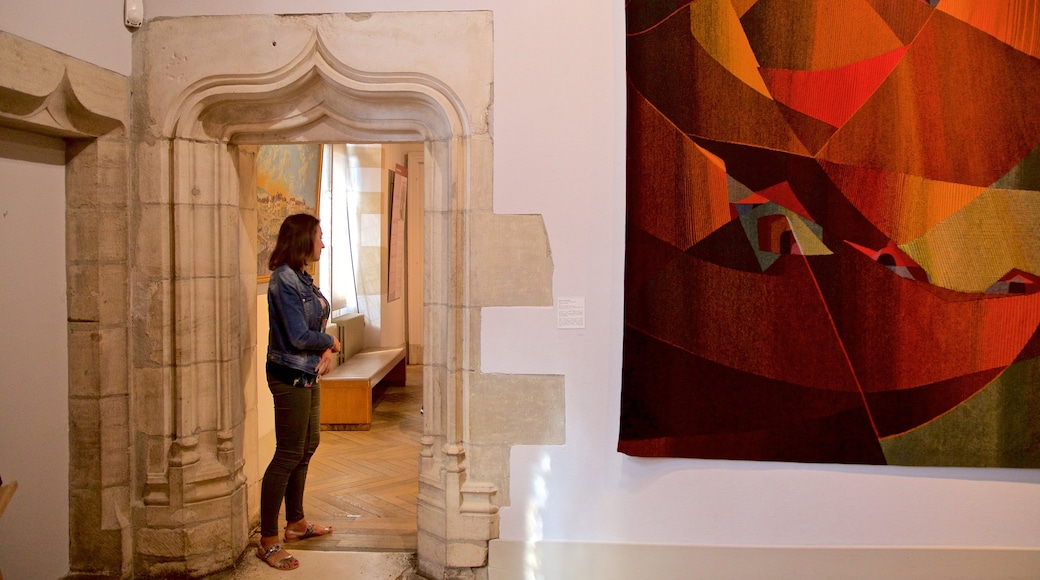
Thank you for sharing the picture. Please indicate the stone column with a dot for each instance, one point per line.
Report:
(194, 517)
(99, 394)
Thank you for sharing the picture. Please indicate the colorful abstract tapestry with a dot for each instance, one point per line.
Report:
(833, 231)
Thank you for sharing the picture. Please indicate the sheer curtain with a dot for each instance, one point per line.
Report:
(350, 211)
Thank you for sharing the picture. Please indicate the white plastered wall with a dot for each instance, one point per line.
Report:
(34, 374)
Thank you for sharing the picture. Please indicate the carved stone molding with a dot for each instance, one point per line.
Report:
(46, 92)
(317, 98)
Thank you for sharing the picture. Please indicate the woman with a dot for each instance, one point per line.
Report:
(298, 353)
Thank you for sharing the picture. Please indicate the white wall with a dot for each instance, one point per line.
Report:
(34, 357)
(559, 151)
(90, 30)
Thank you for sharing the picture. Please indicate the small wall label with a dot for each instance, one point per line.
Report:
(570, 312)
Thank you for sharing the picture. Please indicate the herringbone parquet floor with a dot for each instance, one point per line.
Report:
(364, 483)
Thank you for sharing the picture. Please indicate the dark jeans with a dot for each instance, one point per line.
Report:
(297, 429)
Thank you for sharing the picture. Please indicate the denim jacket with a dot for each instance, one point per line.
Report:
(298, 314)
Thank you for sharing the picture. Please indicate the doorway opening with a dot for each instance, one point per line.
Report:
(363, 479)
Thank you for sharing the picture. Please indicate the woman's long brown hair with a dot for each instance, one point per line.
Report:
(295, 243)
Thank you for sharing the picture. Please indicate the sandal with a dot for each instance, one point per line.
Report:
(287, 563)
(310, 532)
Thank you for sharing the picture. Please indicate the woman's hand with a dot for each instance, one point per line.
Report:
(325, 364)
(336, 346)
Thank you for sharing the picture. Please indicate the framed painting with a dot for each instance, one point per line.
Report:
(833, 232)
(287, 182)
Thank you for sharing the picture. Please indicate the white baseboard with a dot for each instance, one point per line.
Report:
(517, 560)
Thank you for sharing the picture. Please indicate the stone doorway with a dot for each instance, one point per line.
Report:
(283, 80)
(320, 78)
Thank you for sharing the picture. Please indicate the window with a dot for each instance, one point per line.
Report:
(350, 181)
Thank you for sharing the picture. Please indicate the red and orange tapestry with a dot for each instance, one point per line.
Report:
(833, 231)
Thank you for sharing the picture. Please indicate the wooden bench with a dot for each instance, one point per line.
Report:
(346, 391)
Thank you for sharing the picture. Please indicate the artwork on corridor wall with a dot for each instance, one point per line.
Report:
(833, 232)
(287, 181)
